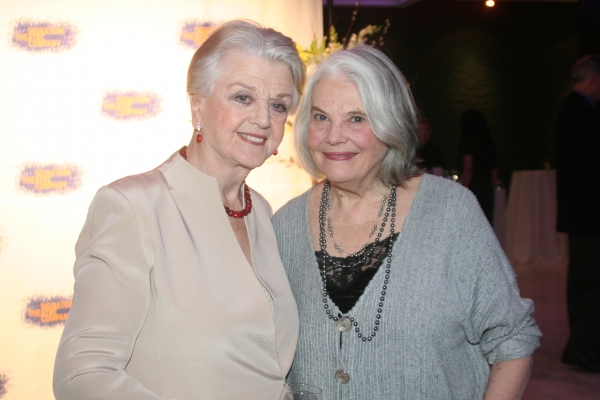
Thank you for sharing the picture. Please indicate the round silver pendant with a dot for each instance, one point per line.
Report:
(344, 324)
(342, 376)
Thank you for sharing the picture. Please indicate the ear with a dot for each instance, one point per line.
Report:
(196, 109)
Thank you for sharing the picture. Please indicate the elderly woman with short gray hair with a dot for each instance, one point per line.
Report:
(402, 288)
(179, 289)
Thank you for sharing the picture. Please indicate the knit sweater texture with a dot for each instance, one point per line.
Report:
(452, 306)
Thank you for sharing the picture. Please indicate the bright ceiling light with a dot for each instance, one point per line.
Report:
(490, 3)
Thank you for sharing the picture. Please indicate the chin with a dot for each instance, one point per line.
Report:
(338, 177)
(342, 173)
(253, 162)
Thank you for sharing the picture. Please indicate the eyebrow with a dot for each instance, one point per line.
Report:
(354, 112)
(253, 89)
(351, 112)
(245, 86)
(283, 95)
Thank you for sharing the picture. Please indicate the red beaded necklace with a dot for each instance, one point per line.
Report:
(234, 214)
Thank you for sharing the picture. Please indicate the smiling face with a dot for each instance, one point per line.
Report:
(340, 138)
(243, 117)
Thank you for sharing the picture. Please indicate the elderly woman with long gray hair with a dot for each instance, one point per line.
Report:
(402, 288)
(179, 289)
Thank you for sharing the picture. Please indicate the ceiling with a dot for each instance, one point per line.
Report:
(404, 3)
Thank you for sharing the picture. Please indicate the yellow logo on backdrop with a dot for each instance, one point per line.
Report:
(50, 178)
(44, 311)
(3, 384)
(130, 105)
(43, 36)
(194, 33)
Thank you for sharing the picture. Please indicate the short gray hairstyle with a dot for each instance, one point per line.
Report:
(387, 101)
(584, 67)
(251, 38)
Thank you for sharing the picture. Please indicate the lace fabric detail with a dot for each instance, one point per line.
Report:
(347, 277)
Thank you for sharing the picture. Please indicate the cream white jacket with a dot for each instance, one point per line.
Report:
(166, 305)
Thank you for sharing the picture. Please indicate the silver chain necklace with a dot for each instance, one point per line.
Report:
(344, 323)
(373, 230)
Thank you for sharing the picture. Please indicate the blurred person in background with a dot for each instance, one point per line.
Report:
(578, 196)
(430, 155)
(478, 159)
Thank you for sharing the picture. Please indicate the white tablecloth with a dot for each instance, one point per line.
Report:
(531, 235)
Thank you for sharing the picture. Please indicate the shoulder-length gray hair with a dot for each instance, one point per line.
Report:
(248, 37)
(387, 101)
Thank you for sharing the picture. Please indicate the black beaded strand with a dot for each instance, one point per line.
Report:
(390, 210)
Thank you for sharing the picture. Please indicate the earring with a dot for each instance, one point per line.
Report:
(276, 152)
(198, 133)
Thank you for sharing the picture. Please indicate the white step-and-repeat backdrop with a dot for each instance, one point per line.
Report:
(91, 91)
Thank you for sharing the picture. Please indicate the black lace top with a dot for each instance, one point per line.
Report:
(347, 277)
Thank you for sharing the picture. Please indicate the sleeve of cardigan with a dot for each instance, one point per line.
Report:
(500, 320)
(112, 294)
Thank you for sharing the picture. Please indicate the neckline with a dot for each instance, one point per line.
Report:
(407, 220)
(381, 242)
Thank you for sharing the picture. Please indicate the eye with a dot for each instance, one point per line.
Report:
(280, 108)
(357, 119)
(320, 117)
(243, 98)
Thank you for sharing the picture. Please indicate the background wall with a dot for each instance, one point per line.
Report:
(91, 91)
(512, 62)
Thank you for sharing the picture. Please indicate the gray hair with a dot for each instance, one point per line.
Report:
(387, 101)
(584, 67)
(249, 37)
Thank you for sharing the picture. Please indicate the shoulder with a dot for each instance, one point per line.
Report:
(144, 184)
(574, 103)
(293, 210)
(576, 98)
(436, 189)
(443, 203)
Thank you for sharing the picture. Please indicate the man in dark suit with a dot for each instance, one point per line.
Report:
(578, 191)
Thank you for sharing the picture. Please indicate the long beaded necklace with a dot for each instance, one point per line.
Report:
(344, 323)
(247, 199)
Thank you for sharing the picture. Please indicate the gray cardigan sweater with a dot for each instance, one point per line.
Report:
(451, 309)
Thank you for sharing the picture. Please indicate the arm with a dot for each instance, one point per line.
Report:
(112, 294)
(500, 320)
(467, 171)
(508, 379)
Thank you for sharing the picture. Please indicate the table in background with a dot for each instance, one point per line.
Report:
(531, 236)
(499, 220)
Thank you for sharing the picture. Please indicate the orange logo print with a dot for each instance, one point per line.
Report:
(193, 33)
(44, 311)
(130, 105)
(43, 36)
(3, 385)
(50, 178)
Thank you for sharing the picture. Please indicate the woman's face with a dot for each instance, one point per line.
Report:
(243, 117)
(340, 137)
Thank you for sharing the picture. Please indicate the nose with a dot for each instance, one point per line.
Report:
(261, 116)
(335, 134)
